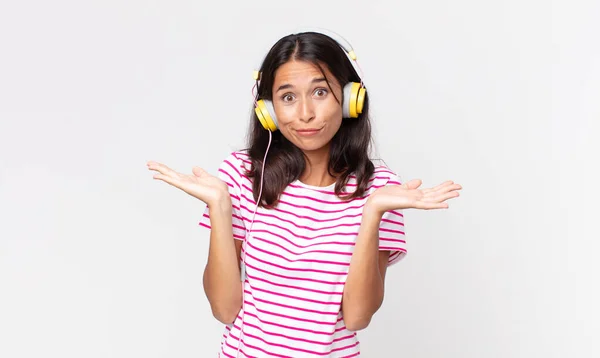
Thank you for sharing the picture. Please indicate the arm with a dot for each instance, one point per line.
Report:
(222, 280)
(364, 289)
(222, 272)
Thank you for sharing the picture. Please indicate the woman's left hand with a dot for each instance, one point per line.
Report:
(408, 195)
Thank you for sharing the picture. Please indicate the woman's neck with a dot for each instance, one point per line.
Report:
(316, 172)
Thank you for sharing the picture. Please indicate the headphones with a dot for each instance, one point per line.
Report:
(353, 93)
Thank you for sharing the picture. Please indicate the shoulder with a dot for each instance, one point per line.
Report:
(234, 167)
(237, 160)
(384, 175)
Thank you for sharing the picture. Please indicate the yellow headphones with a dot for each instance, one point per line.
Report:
(353, 93)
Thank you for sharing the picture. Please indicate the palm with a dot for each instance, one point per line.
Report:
(408, 195)
(199, 184)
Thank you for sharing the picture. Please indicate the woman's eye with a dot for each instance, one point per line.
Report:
(321, 92)
(287, 97)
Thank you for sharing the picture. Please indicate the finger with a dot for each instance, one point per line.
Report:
(167, 179)
(442, 197)
(161, 168)
(441, 189)
(438, 187)
(450, 188)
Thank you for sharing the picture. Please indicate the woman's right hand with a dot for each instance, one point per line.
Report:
(199, 184)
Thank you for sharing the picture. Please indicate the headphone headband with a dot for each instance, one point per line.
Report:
(339, 39)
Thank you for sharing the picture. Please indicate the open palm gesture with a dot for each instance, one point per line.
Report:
(199, 184)
(408, 195)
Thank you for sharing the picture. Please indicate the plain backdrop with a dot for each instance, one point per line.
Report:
(99, 260)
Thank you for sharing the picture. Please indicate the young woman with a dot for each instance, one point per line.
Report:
(303, 224)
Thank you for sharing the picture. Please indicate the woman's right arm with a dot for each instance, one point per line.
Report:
(222, 280)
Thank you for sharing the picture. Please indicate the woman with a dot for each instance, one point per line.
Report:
(297, 274)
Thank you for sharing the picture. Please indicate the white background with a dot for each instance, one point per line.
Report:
(99, 260)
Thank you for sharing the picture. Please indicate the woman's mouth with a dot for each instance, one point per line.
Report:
(308, 131)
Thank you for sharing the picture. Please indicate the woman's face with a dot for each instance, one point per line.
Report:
(308, 113)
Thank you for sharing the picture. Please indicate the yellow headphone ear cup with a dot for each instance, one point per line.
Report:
(261, 119)
(360, 103)
(353, 98)
(264, 116)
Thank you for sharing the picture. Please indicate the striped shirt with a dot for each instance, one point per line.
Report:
(297, 259)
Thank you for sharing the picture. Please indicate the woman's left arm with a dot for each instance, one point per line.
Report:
(364, 288)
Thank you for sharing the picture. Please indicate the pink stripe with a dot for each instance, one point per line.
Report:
(303, 227)
(292, 307)
(325, 303)
(395, 213)
(291, 317)
(305, 252)
(309, 207)
(328, 192)
(392, 240)
(246, 355)
(292, 348)
(293, 278)
(391, 248)
(319, 200)
(234, 184)
(392, 222)
(251, 211)
(298, 260)
(349, 243)
(294, 269)
(238, 227)
(391, 230)
(344, 348)
(301, 236)
(357, 224)
(296, 338)
(371, 180)
(235, 169)
(349, 184)
(271, 354)
(262, 350)
(323, 333)
(227, 355)
(241, 350)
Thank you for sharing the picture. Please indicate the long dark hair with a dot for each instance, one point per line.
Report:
(285, 163)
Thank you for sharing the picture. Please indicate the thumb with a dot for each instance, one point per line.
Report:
(412, 184)
(198, 171)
